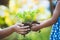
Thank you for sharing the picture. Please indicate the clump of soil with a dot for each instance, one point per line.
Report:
(30, 23)
(35, 22)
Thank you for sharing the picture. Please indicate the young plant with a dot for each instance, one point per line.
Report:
(28, 17)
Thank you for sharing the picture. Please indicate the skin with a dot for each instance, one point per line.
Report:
(48, 22)
(15, 28)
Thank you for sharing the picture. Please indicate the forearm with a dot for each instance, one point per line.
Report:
(6, 32)
(47, 23)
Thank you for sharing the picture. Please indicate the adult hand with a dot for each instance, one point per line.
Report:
(21, 29)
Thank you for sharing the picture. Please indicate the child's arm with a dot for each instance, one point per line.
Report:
(50, 21)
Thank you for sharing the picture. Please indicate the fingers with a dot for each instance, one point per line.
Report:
(34, 24)
(23, 30)
(24, 27)
(35, 27)
(23, 33)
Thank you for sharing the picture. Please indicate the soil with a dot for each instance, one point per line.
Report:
(30, 23)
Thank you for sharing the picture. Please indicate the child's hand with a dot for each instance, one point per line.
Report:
(35, 27)
(21, 29)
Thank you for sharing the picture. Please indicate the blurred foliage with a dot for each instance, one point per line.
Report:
(2, 20)
(28, 16)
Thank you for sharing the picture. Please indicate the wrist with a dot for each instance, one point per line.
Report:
(41, 26)
(13, 28)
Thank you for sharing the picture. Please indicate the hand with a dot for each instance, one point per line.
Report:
(35, 27)
(21, 29)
